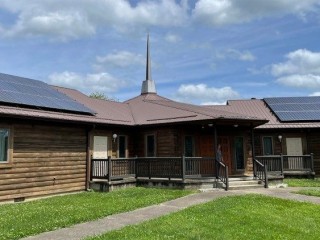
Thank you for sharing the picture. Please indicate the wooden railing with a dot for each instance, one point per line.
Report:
(274, 163)
(222, 173)
(260, 172)
(287, 163)
(112, 168)
(298, 163)
(158, 167)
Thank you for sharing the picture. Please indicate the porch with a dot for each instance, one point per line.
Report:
(191, 172)
(288, 165)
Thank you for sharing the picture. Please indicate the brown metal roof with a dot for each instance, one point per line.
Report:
(154, 109)
(115, 112)
(146, 109)
(257, 108)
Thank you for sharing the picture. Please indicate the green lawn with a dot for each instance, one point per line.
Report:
(302, 182)
(25, 219)
(309, 192)
(237, 217)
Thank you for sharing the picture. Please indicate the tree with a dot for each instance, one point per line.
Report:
(102, 96)
(98, 95)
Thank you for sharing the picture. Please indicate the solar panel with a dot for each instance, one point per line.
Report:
(292, 109)
(34, 93)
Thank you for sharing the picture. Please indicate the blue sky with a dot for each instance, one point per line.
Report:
(203, 52)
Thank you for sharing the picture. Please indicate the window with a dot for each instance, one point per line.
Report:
(239, 152)
(4, 145)
(100, 147)
(188, 146)
(150, 146)
(267, 146)
(122, 147)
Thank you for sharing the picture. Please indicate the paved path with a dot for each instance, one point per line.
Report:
(118, 221)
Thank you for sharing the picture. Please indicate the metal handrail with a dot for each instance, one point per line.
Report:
(222, 173)
(260, 172)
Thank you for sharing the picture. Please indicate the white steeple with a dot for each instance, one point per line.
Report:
(148, 85)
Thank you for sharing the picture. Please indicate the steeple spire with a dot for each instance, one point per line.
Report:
(148, 85)
(148, 61)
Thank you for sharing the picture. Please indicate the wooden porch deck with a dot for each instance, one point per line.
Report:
(188, 172)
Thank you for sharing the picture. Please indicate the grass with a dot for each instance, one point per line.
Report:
(30, 218)
(237, 217)
(309, 192)
(302, 182)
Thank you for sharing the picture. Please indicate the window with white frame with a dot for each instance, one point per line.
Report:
(100, 147)
(4, 145)
(150, 145)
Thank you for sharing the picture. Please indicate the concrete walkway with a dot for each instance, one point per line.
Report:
(118, 221)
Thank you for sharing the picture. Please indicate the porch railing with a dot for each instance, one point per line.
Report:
(287, 163)
(298, 163)
(112, 168)
(158, 167)
(260, 171)
(222, 173)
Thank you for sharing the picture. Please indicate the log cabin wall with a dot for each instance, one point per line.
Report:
(46, 159)
(313, 142)
(310, 142)
(113, 144)
(167, 141)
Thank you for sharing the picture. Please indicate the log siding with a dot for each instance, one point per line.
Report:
(46, 159)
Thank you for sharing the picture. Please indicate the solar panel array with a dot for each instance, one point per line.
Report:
(36, 94)
(292, 109)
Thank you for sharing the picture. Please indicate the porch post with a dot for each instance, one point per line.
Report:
(312, 163)
(281, 162)
(252, 150)
(109, 169)
(183, 165)
(215, 140)
(215, 149)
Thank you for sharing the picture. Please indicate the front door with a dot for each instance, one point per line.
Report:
(207, 146)
(225, 150)
(239, 153)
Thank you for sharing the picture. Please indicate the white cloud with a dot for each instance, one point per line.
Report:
(221, 12)
(301, 61)
(301, 81)
(301, 70)
(236, 54)
(315, 94)
(121, 59)
(205, 94)
(68, 19)
(214, 103)
(172, 38)
(101, 82)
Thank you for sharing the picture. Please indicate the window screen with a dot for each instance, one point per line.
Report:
(267, 146)
(150, 146)
(4, 133)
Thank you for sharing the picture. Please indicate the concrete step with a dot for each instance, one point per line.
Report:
(247, 182)
(240, 187)
(241, 183)
(235, 179)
